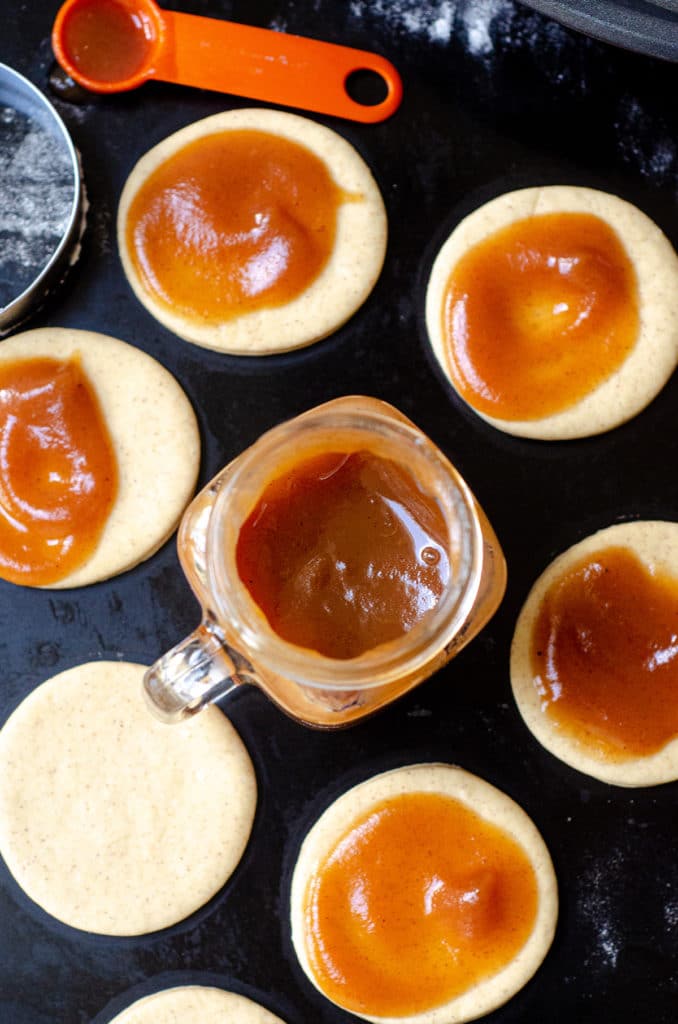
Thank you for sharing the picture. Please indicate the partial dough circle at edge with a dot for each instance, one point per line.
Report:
(206, 1005)
(155, 436)
(656, 543)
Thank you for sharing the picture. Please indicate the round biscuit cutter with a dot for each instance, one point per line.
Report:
(22, 101)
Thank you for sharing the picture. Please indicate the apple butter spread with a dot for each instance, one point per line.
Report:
(538, 314)
(604, 654)
(344, 552)
(417, 902)
(233, 222)
(58, 470)
(105, 40)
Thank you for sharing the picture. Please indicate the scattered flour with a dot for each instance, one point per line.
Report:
(477, 20)
(645, 142)
(433, 19)
(478, 24)
(608, 944)
(597, 900)
(440, 29)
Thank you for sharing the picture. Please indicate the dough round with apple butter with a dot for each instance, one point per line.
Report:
(110, 820)
(252, 231)
(423, 895)
(594, 653)
(154, 439)
(195, 1004)
(553, 311)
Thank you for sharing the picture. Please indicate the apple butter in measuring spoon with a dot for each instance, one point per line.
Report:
(105, 40)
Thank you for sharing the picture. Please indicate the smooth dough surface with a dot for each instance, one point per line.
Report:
(656, 544)
(486, 801)
(111, 821)
(195, 1004)
(655, 355)
(344, 283)
(155, 437)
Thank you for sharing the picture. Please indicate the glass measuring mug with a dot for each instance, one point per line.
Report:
(449, 581)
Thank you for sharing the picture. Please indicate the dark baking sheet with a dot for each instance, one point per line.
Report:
(496, 97)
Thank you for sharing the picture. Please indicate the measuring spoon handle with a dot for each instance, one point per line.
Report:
(272, 66)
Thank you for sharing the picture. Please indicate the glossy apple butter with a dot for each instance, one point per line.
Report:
(58, 471)
(539, 314)
(105, 40)
(344, 552)
(605, 655)
(234, 222)
(420, 900)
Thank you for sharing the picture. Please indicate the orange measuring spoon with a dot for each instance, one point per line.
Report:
(114, 45)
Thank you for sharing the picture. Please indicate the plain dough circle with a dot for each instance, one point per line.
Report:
(656, 544)
(195, 1004)
(486, 801)
(653, 359)
(342, 286)
(155, 436)
(111, 821)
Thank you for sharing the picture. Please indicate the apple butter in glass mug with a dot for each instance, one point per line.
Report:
(339, 561)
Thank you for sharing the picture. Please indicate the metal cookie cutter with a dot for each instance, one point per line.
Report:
(42, 199)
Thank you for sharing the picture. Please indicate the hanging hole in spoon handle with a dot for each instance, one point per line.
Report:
(366, 87)
(115, 45)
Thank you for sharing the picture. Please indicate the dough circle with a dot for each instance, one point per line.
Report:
(111, 821)
(155, 437)
(195, 1004)
(341, 287)
(492, 805)
(656, 544)
(654, 357)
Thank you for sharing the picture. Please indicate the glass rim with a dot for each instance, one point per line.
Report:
(241, 487)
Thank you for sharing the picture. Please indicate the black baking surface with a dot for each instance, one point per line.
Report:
(496, 97)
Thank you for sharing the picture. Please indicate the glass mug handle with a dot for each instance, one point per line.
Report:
(202, 667)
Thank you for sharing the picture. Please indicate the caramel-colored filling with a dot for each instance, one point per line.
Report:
(605, 655)
(234, 222)
(105, 40)
(58, 471)
(344, 552)
(420, 900)
(539, 314)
